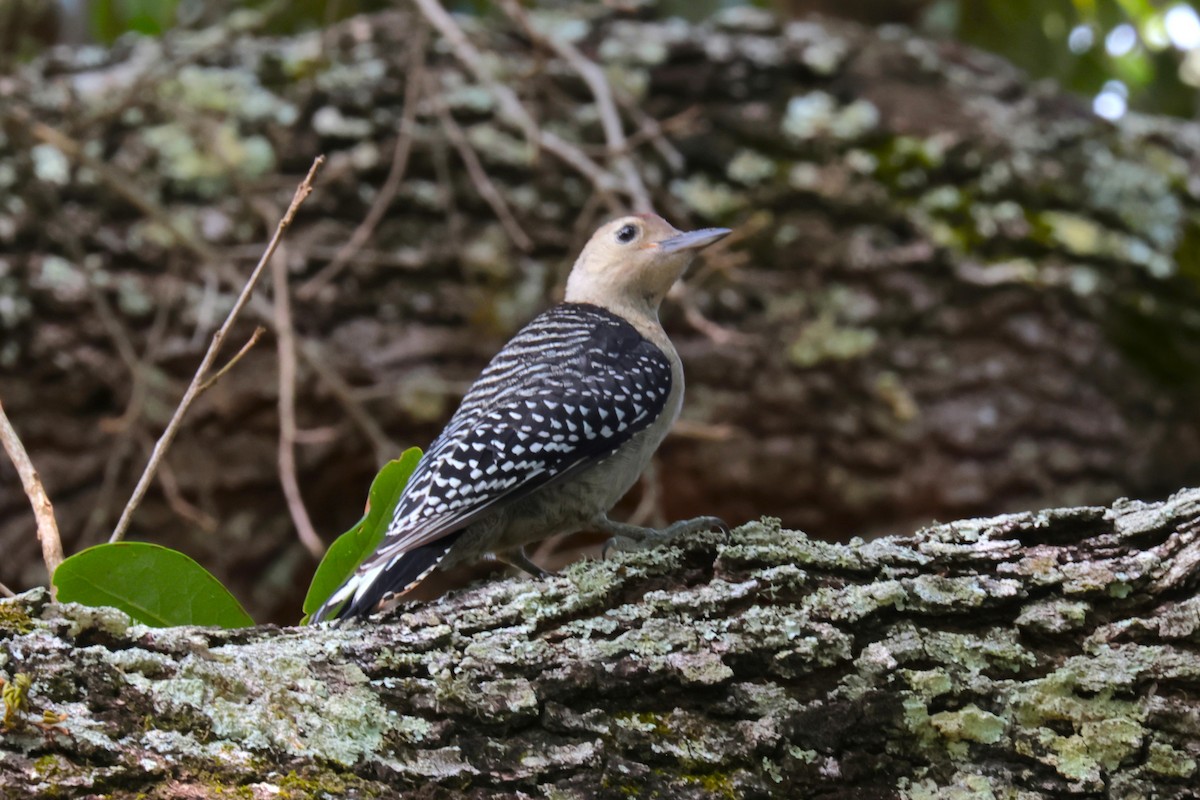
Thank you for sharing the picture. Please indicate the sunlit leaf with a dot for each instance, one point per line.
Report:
(349, 549)
(154, 585)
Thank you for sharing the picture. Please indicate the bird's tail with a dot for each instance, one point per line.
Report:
(376, 582)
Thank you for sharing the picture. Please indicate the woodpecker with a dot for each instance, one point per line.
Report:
(555, 431)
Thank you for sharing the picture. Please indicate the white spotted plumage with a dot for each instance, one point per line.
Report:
(584, 381)
(502, 442)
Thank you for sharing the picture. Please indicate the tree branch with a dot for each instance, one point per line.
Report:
(610, 117)
(512, 113)
(193, 390)
(43, 510)
(285, 338)
(1045, 654)
(413, 85)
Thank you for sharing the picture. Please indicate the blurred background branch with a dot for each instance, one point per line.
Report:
(1123, 54)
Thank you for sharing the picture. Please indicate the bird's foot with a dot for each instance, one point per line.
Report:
(627, 537)
(517, 558)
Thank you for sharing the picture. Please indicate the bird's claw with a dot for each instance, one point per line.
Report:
(652, 538)
(620, 544)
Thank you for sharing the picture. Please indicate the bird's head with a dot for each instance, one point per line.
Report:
(629, 264)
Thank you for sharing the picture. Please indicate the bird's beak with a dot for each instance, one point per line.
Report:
(693, 240)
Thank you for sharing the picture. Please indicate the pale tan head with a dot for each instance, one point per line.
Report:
(630, 264)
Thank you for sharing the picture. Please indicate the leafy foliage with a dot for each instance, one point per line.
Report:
(1137, 52)
(162, 587)
(155, 585)
(110, 18)
(348, 551)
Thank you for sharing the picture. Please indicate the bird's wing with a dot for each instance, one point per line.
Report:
(569, 389)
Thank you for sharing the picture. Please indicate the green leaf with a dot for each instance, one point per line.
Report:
(155, 585)
(349, 549)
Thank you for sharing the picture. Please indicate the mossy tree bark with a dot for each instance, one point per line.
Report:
(1048, 654)
(951, 293)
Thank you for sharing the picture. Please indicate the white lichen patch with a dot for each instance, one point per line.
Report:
(62, 278)
(643, 44)
(206, 167)
(110, 620)
(231, 91)
(50, 164)
(818, 114)
(750, 168)
(330, 121)
(820, 52)
(331, 715)
(445, 762)
(708, 198)
(497, 147)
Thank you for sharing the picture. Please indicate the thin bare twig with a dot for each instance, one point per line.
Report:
(168, 435)
(285, 338)
(182, 507)
(119, 452)
(385, 447)
(253, 340)
(326, 374)
(7, 592)
(650, 129)
(714, 332)
(440, 157)
(610, 117)
(511, 112)
(413, 85)
(43, 510)
(703, 431)
(123, 427)
(479, 177)
(125, 186)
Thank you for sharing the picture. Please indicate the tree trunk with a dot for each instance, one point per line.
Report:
(951, 292)
(1047, 654)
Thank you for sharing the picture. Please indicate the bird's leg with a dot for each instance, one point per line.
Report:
(635, 537)
(517, 558)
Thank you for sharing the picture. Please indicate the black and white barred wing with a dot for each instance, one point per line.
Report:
(569, 389)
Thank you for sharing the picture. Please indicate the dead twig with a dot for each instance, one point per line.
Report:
(650, 129)
(440, 158)
(182, 507)
(479, 177)
(285, 338)
(511, 112)
(43, 510)
(413, 86)
(253, 340)
(124, 185)
(714, 332)
(385, 447)
(168, 435)
(7, 592)
(610, 117)
(703, 431)
(120, 452)
(123, 427)
(326, 374)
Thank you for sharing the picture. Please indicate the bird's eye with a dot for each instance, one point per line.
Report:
(627, 234)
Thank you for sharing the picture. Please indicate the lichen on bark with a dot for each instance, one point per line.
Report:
(1050, 654)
